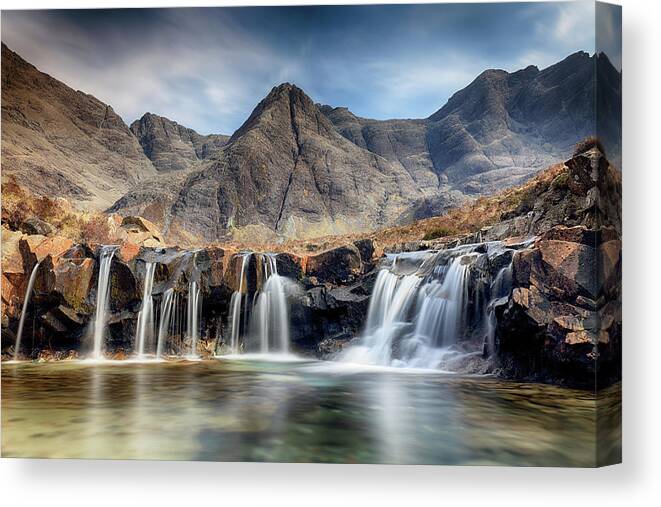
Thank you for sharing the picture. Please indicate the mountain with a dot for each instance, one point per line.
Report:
(501, 128)
(62, 142)
(286, 172)
(296, 169)
(172, 147)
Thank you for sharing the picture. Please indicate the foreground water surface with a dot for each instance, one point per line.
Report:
(293, 411)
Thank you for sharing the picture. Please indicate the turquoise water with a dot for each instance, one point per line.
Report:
(295, 411)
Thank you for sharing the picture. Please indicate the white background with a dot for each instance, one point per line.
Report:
(636, 482)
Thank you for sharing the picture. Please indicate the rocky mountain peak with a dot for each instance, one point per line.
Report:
(287, 106)
(173, 147)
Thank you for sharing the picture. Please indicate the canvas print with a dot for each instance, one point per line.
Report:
(384, 234)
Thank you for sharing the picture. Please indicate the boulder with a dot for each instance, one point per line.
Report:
(33, 226)
(339, 265)
(562, 320)
(142, 232)
(74, 281)
(53, 247)
(12, 260)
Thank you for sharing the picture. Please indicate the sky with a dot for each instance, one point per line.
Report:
(207, 68)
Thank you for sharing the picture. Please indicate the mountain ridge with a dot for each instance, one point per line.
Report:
(296, 168)
(64, 142)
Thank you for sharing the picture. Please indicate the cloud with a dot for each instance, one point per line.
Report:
(208, 68)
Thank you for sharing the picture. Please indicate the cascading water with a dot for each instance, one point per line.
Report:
(235, 306)
(194, 310)
(270, 316)
(26, 301)
(420, 306)
(145, 324)
(500, 288)
(165, 321)
(102, 294)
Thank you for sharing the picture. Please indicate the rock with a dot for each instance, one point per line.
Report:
(53, 247)
(12, 260)
(128, 251)
(365, 249)
(74, 281)
(142, 232)
(36, 226)
(338, 265)
(562, 321)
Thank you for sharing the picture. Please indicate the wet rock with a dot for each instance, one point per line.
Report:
(74, 281)
(290, 265)
(563, 311)
(218, 262)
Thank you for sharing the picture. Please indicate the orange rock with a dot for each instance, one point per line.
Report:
(128, 251)
(12, 260)
(54, 246)
(141, 231)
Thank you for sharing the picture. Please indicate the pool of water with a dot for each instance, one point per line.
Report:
(289, 411)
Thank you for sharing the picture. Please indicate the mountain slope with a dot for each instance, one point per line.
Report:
(502, 127)
(285, 173)
(62, 142)
(172, 147)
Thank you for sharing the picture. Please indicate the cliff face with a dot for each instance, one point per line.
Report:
(501, 128)
(62, 142)
(285, 173)
(172, 147)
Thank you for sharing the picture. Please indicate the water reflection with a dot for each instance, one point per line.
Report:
(256, 410)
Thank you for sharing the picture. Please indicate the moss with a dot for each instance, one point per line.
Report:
(438, 232)
(561, 181)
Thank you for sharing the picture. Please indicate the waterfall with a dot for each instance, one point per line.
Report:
(270, 317)
(102, 294)
(500, 288)
(164, 323)
(26, 301)
(423, 303)
(235, 306)
(145, 324)
(193, 315)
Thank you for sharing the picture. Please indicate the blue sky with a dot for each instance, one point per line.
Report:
(208, 68)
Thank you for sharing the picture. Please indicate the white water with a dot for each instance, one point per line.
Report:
(270, 318)
(102, 294)
(145, 325)
(194, 310)
(500, 288)
(26, 301)
(235, 306)
(417, 310)
(165, 321)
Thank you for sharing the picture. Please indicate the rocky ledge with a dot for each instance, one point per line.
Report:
(559, 323)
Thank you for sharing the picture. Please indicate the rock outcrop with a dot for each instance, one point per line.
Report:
(562, 322)
(172, 147)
